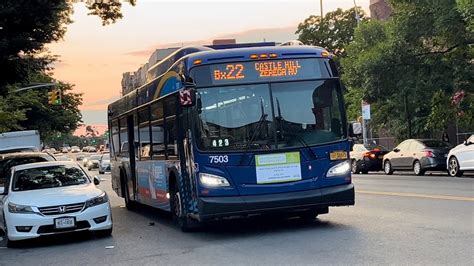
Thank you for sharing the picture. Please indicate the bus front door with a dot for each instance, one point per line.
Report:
(132, 154)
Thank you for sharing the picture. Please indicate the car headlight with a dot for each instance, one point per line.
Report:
(97, 200)
(210, 180)
(340, 169)
(16, 208)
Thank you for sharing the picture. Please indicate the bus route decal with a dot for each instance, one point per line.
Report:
(278, 167)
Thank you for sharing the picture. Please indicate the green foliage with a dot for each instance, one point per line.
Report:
(26, 27)
(39, 115)
(334, 31)
(408, 65)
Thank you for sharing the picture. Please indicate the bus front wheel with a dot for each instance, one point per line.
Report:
(180, 217)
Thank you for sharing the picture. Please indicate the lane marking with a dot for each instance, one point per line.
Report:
(414, 195)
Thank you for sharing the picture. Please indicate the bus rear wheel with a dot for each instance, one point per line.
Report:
(180, 217)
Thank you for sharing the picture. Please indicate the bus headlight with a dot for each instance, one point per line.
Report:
(340, 169)
(210, 180)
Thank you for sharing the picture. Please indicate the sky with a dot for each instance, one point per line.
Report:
(93, 57)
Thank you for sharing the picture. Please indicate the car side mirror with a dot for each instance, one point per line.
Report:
(2, 191)
(96, 180)
(396, 150)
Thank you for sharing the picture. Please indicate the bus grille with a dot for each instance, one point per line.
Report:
(62, 209)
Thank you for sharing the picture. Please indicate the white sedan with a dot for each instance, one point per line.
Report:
(461, 158)
(51, 198)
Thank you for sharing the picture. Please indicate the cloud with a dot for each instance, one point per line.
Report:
(253, 35)
(102, 101)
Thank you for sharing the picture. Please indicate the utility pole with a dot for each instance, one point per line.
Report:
(321, 7)
(356, 13)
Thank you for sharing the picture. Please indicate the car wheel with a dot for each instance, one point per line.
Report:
(387, 167)
(185, 223)
(8, 242)
(453, 167)
(417, 169)
(354, 167)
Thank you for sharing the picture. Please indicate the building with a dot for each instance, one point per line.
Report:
(133, 80)
(380, 9)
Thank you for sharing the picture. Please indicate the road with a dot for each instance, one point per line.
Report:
(398, 219)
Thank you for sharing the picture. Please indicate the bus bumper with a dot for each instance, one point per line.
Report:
(211, 208)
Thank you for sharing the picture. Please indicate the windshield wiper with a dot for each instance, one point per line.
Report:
(298, 137)
(263, 118)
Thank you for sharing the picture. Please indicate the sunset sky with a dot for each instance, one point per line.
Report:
(93, 57)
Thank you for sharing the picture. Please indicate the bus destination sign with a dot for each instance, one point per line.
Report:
(263, 71)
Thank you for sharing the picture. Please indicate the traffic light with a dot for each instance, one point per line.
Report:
(54, 97)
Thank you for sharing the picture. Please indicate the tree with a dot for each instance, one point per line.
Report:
(334, 31)
(38, 114)
(27, 25)
(405, 65)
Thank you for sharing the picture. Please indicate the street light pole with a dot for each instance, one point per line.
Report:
(321, 7)
(36, 86)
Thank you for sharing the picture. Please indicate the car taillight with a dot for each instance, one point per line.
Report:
(429, 154)
(369, 155)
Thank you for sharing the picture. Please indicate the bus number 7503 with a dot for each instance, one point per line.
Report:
(218, 159)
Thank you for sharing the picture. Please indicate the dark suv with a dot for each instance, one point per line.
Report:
(367, 157)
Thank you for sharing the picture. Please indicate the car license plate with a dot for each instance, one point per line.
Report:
(338, 155)
(64, 223)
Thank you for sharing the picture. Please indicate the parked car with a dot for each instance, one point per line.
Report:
(52, 198)
(85, 159)
(93, 162)
(80, 157)
(75, 149)
(419, 155)
(89, 149)
(19, 149)
(104, 163)
(367, 157)
(61, 157)
(461, 158)
(64, 150)
(7, 161)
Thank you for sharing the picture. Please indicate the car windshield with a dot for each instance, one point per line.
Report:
(48, 177)
(264, 116)
(371, 147)
(436, 144)
(95, 157)
(6, 165)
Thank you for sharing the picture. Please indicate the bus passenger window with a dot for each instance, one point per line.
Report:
(171, 137)
(144, 131)
(157, 139)
(115, 137)
(123, 135)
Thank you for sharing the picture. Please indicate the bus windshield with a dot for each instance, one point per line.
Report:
(270, 115)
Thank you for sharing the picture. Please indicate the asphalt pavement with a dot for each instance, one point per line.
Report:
(398, 219)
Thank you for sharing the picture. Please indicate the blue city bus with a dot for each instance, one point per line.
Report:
(218, 133)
